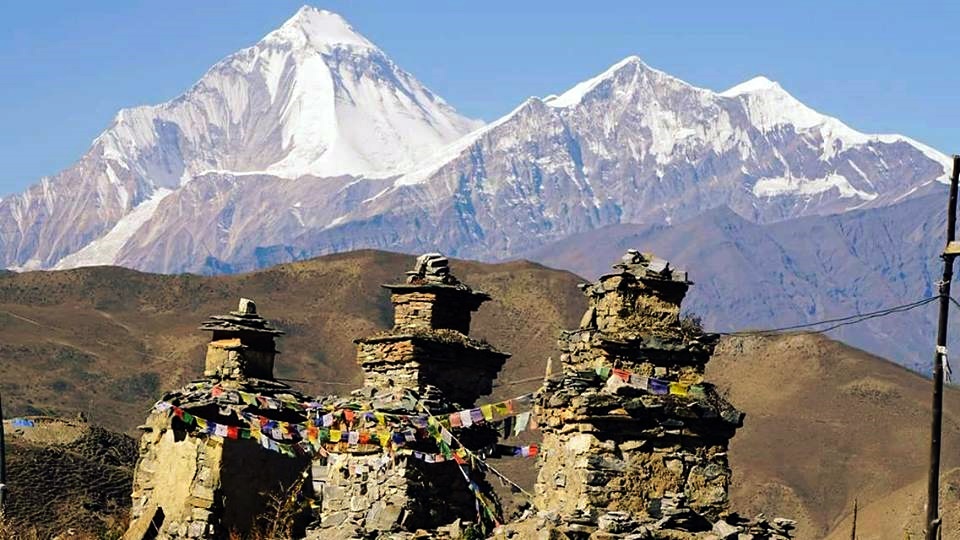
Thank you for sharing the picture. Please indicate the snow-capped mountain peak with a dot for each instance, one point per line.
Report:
(769, 105)
(756, 84)
(575, 94)
(320, 29)
(313, 98)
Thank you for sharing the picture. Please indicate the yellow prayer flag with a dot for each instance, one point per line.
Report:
(334, 435)
(678, 389)
(381, 419)
(201, 423)
(487, 411)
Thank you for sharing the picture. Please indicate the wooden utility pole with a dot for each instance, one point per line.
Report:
(940, 359)
(3, 461)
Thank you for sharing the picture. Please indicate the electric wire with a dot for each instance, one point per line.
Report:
(839, 321)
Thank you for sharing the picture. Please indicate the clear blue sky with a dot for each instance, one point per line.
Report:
(881, 66)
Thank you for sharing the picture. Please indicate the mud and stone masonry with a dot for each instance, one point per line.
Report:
(634, 441)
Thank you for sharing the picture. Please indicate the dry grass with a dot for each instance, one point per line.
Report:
(825, 423)
(16, 530)
(280, 517)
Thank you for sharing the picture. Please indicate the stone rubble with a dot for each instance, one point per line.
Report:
(618, 459)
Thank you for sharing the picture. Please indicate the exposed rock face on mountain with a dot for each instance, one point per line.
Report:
(633, 145)
(312, 98)
(637, 145)
(313, 141)
(810, 269)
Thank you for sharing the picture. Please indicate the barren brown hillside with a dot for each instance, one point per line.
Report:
(825, 423)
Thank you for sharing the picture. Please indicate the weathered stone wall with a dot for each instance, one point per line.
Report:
(625, 303)
(204, 487)
(362, 493)
(445, 360)
(413, 310)
(267, 477)
(600, 456)
(175, 484)
(438, 309)
(676, 357)
(230, 359)
(633, 440)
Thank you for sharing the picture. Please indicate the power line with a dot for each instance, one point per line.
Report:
(840, 321)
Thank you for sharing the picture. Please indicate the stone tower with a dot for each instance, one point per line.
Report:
(242, 344)
(631, 432)
(202, 471)
(429, 350)
(426, 362)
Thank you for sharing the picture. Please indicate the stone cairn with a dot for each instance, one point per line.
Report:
(426, 363)
(634, 441)
(188, 484)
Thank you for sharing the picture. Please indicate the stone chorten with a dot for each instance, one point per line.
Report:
(427, 358)
(633, 439)
(190, 484)
(429, 349)
(242, 345)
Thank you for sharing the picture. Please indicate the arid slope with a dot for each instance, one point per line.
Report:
(825, 423)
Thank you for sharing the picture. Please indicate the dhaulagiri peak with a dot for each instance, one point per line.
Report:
(322, 29)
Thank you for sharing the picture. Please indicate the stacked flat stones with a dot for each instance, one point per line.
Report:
(616, 457)
(188, 484)
(427, 354)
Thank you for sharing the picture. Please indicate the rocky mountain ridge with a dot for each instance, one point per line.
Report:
(311, 99)
(320, 143)
(760, 276)
(313, 141)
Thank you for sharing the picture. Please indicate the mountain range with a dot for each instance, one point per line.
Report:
(313, 141)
